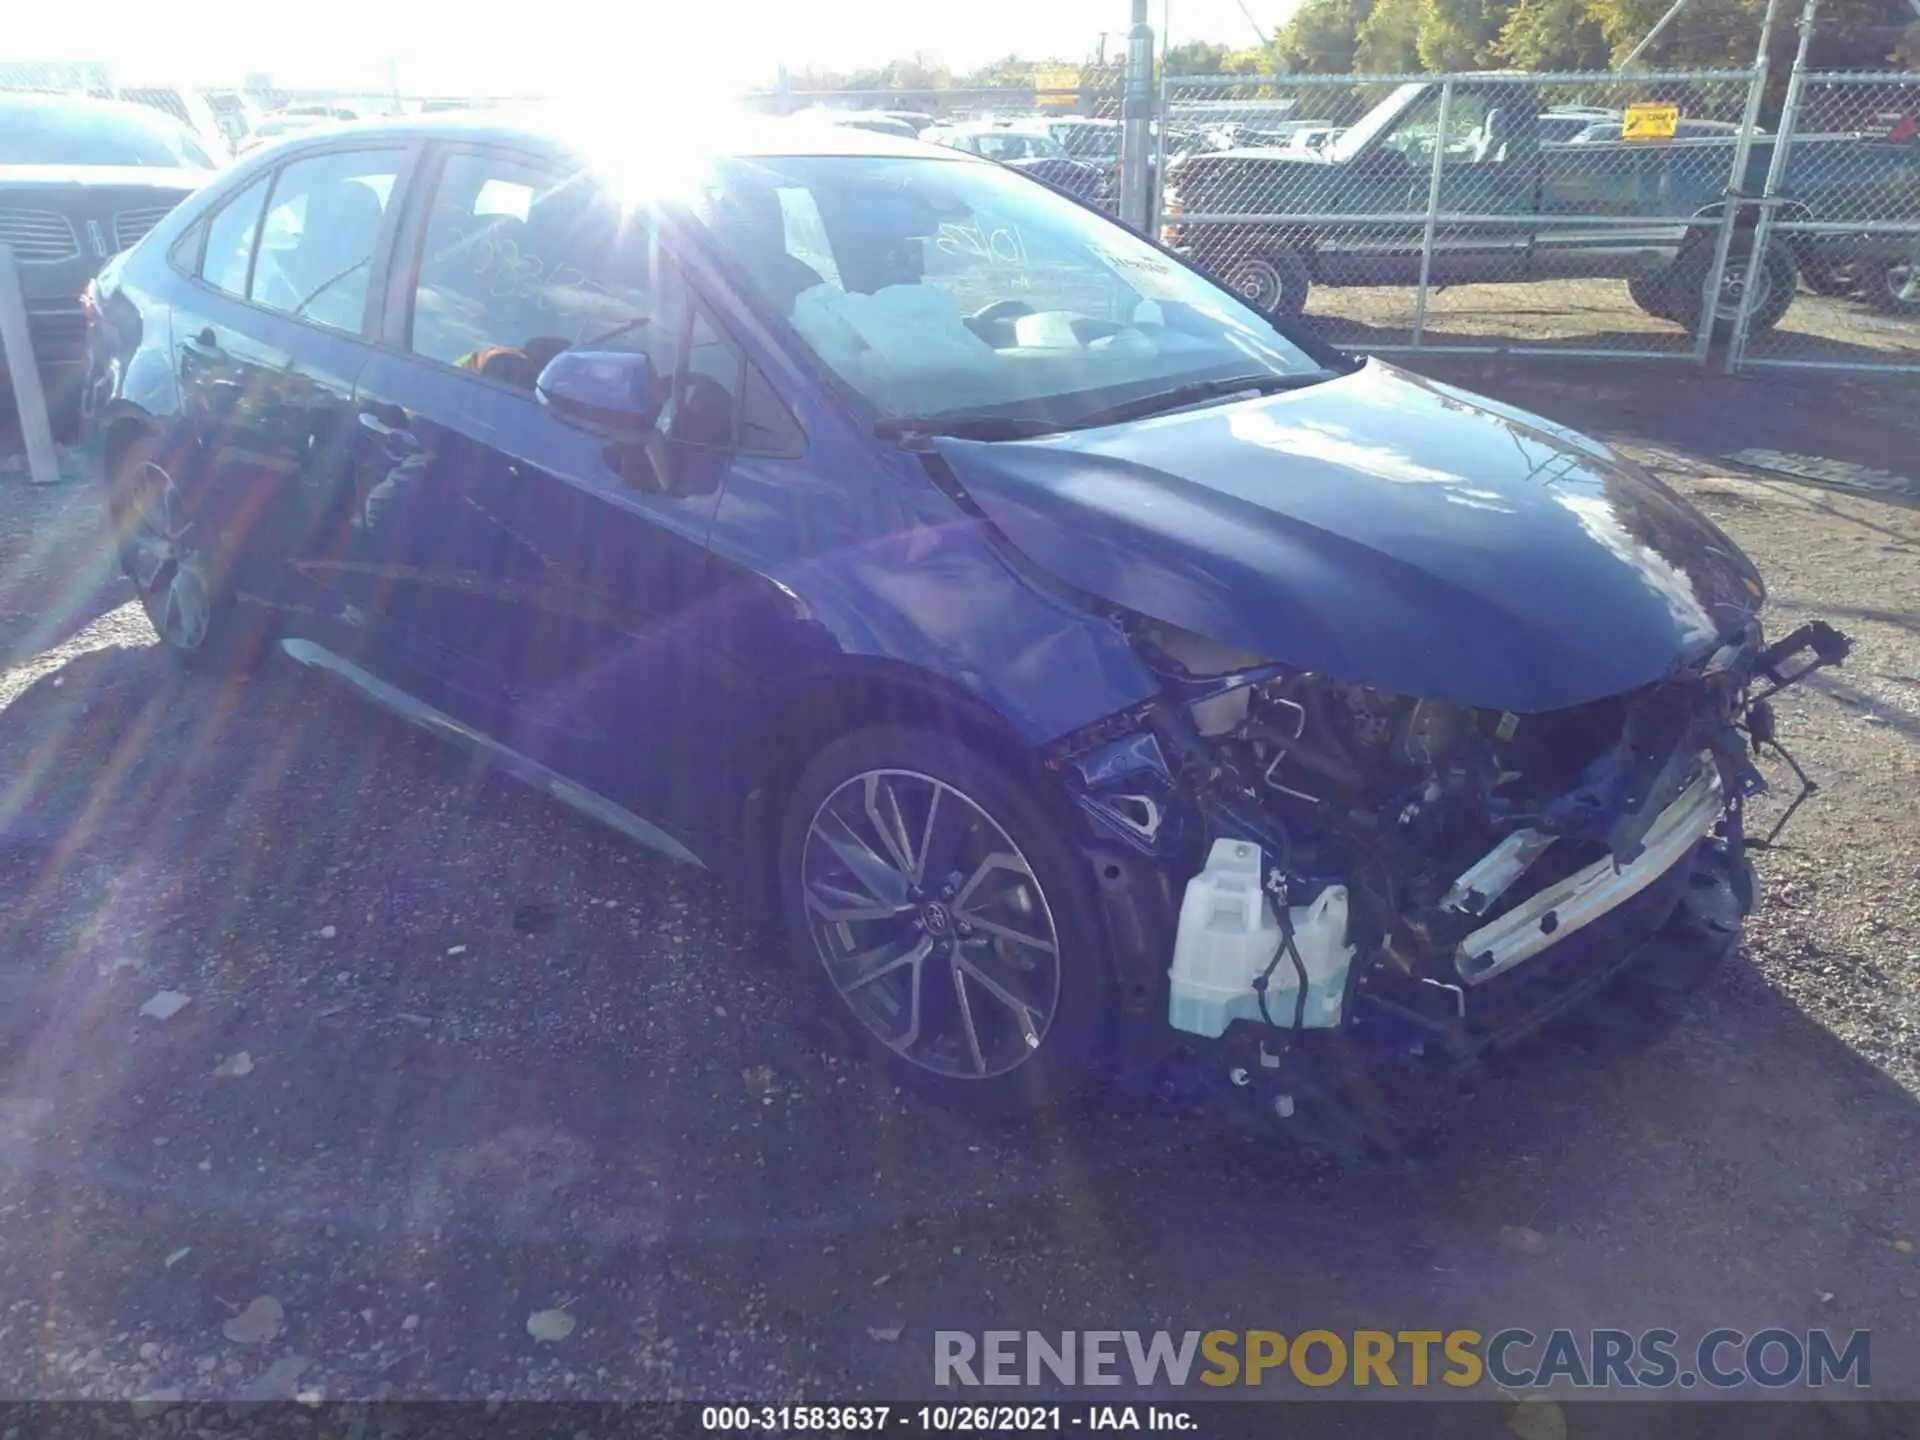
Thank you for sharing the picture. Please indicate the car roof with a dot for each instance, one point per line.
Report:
(733, 134)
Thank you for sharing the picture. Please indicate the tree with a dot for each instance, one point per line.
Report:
(1552, 35)
(1195, 57)
(1459, 34)
(1389, 41)
(1322, 36)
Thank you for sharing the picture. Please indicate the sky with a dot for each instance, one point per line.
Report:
(712, 46)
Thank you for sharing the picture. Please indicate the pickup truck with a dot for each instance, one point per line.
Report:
(1273, 223)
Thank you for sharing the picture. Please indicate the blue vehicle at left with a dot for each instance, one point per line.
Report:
(1097, 678)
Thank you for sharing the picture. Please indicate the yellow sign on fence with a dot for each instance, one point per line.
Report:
(1650, 122)
(1057, 88)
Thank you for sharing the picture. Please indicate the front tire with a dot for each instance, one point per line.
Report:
(1653, 293)
(954, 928)
(1274, 282)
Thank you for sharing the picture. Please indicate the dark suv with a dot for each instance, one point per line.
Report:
(1095, 675)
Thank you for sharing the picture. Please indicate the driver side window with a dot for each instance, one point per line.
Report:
(522, 259)
(1473, 131)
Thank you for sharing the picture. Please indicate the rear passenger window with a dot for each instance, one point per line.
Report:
(521, 260)
(317, 242)
(223, 264)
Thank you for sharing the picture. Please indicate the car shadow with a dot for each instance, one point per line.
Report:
(639, 1090)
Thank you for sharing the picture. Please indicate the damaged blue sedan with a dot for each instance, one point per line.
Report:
(1100, 681)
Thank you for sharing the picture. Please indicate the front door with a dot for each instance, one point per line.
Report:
(544, 571)
(1486, 178)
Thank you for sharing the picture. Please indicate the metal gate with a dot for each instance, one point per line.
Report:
(1841, 208)
(1570, 214)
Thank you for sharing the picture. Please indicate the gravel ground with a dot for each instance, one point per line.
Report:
(452, 1059)
(1573, 314)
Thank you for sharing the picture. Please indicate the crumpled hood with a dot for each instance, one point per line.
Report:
(1383, 529)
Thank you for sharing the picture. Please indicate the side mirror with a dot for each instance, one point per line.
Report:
(611, 394)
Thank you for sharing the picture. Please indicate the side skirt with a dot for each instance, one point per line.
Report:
(549, 782)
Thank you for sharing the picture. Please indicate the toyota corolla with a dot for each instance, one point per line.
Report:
(1101, 681)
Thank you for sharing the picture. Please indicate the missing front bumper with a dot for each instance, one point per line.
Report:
(1549, 917)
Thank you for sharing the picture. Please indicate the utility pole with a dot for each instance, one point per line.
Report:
(1136, 134)
(1653, 34)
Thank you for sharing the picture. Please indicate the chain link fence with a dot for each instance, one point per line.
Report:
(1523, 213)
(1843, 211)
(1576, 214)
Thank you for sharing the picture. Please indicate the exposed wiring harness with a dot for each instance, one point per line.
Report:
(1287, 946)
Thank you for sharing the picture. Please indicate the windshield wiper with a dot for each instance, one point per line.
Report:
(966, 427)
(1197, 392)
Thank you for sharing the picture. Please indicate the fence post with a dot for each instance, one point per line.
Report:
(1157, 174)
(1776, 169)
(1736, 184)
(1136, 134)
(1433, 212)
(16, 351)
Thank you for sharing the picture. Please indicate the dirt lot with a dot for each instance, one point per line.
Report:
(496, 1063)
(1599, 314)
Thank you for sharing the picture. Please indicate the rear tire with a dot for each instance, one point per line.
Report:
(1274, 282)
(168, 553)
(950, 920)
(1778, 276)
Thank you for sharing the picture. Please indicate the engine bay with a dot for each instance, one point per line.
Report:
(1412, 849)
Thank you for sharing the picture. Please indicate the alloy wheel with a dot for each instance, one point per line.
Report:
(1903, 284)
(164, 561)
(931, 924)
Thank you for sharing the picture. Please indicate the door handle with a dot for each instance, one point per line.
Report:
(204, 346)
(396, 441)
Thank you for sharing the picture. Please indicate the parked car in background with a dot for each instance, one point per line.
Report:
(81, 179)
(1497, 165)
(1085, 138)
(874, 120)
(1098, 677)
(280, 125)
(1610, 132)
(918, 120)
(236, 114)
(1033, 152)
(190, 107)
(328, 110)
(1558, 127)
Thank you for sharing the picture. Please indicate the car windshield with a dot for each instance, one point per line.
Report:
(1372, 124)
(60, 134)
(949, 288)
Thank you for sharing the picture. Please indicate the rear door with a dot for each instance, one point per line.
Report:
(267, 349)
